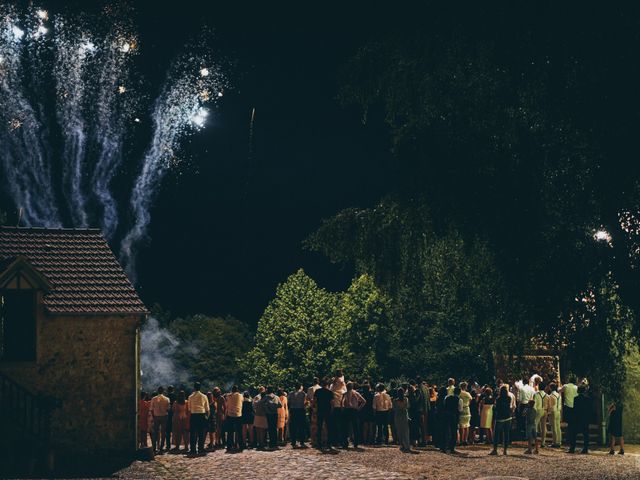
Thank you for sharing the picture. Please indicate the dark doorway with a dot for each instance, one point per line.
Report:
(18, 325)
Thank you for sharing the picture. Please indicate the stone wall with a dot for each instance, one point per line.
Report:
(91, 365)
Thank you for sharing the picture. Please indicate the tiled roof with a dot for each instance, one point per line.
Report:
(83, 271)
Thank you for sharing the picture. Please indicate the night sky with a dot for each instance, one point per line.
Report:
(227, 226)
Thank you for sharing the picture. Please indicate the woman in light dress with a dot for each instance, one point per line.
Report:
(486, 413)
(464, 421)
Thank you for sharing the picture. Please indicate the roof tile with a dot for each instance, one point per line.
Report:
(84, 272)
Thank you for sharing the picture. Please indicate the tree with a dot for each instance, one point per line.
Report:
(365, 311)
(448, 304)
(299, 335)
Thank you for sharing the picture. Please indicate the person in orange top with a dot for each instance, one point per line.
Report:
(180, 421)
(143, 419)
(283, 415)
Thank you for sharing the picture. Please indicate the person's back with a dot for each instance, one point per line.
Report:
(582, 409)
(234, 404)
(451, 404)
(271, 403)
(569, 392)
(324, 398)
(502, 409)
(160, 405)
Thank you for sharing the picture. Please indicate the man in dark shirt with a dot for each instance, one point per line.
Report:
(297, 403)
(580, 420)
(323, 400)
(452, 408)
(416, 404)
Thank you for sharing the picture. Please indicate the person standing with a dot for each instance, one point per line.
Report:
(503, 413)
(416, 405)
(615, 427)
(580, 417)
(554, 412)
(143, 419)
(313, 417)
(283, 416)
(486, 413)
(339, 388)
(465, 416)
(247, 420)
(323, 399)
(451, 385)
(198, 409)
(171, 395)
(569, 392)
(352, 403)
(221, 415)
(260, 420)
(540, 409)
(452, 411)
(234, 420)
(401, 420)
(271, 404)
(297, 402)
(381, 408)
(474, 421)
(180, 420)
(159, 410)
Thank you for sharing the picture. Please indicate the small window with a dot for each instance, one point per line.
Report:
(18, 325)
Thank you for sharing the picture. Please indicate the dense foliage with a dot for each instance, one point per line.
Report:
(181, 350)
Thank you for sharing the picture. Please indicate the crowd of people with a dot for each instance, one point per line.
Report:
(334, 413)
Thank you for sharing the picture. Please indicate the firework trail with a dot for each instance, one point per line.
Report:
(24, 156)
(74, 78)
(178, 110)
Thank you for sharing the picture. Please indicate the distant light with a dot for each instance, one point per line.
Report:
(137, 120)
(219, 94)
(204, 72)
(200, 117)
(18, 33)
(602, 236)
(122, 89)
(125, 47)
(42, 14)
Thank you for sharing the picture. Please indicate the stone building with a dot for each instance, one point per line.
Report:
(69, 344)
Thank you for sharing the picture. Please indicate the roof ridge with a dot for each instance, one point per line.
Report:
(52, 229)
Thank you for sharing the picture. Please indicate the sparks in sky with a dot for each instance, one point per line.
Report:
(18, 33)
(91, 65)
(602, 236)
(200, 117)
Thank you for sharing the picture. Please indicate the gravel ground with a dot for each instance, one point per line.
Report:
(387, 463)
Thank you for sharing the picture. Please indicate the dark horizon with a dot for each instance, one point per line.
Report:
(228, 226)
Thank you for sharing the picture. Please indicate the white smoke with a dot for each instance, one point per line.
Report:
(158, 348)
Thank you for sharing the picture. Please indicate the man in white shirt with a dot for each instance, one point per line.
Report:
(554, 409)
(159, 410)
(199, 410)
(381, 410)
(234, 420)
(525, 395)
